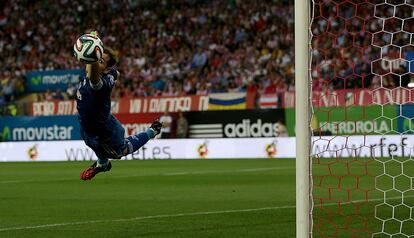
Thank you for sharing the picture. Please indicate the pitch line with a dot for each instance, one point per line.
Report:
(143, 218)
(161, 174)
(181, 215)
(225, 171)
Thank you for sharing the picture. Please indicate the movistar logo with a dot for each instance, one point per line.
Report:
(54, 132)
(36, 80)
(5, 134)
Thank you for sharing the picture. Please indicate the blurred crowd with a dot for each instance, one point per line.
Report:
(181, 47)
(362, 45)
(188, 47)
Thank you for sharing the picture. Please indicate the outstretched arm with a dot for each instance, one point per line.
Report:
(92, 73)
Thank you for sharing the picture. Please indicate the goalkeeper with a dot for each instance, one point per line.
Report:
(100, 130)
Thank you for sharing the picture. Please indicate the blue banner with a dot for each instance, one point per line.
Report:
(44, 128)
(40, 81)
(406, 119)
(409, 56)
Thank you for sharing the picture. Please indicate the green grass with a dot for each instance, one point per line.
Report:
(367, 189)
(193, 198)
(201, 198)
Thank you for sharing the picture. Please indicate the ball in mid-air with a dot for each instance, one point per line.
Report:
(88, 48)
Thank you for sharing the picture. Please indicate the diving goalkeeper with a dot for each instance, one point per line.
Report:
(100, 130)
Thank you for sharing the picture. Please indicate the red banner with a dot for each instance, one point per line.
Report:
(128, 106)
(162, 104)
(48, 108)
(357, 97)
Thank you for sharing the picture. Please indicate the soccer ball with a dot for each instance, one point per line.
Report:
(88, 49)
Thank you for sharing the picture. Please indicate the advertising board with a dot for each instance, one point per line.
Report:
(207, 124)
(239, 148)
(236, 123)
(152, 104)
(354, 97)
(47, 128)
(355, 120)
(41, 81)
(406, 119)
(154, 149)
(39, 128)
(127, 106)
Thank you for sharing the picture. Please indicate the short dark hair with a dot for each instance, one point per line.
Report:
(113, 59)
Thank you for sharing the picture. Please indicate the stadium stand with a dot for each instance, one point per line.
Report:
(191, 47)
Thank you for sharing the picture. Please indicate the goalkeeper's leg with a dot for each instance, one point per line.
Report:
(129, 146)
(135, 142)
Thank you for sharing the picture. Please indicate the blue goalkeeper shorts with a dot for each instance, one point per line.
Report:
(108, 148)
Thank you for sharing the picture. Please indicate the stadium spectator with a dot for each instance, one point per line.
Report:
(48, 95)
(58, 95)
(281, 129)
(166, 121)
(8, 88)
(182, 126)
(199, 58)
(71, 91)
(2, 99)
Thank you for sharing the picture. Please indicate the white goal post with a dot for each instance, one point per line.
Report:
(358, 58)
(303, 139)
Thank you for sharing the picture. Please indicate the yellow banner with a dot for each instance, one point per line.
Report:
(240, 106)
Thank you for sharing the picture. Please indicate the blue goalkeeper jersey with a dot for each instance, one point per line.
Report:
(94, 106)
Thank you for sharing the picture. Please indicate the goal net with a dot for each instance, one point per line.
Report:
(362, 62)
